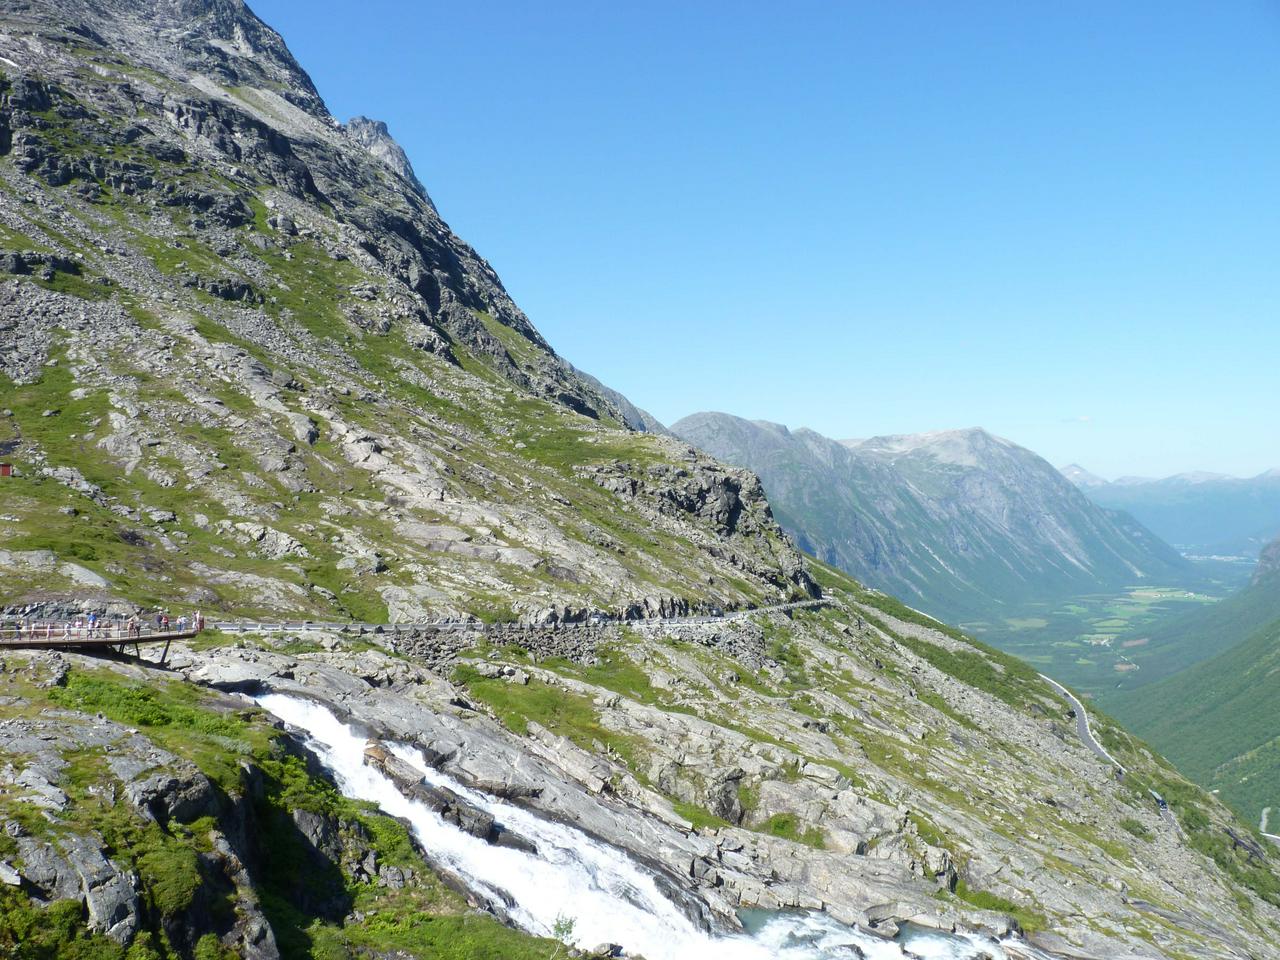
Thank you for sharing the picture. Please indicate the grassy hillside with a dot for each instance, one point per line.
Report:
(1219, 721)
(1169, 646)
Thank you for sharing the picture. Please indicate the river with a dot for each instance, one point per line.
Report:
(573, 879)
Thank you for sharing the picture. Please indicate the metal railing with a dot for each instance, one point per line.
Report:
(47, 633)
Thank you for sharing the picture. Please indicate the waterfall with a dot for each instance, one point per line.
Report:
(607, 895)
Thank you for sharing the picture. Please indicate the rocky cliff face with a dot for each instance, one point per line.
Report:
(1268, 563)
(209, 85)
(960, 522)
(245, 366)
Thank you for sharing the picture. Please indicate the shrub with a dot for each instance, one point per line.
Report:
(1136, 828)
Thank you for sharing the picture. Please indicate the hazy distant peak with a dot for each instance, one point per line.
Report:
(1204, 513)
(709, 422)
(1081, 477)
(960, 521)
(1200, 476)
(967, 447)
(779, 428)
(1194, 478)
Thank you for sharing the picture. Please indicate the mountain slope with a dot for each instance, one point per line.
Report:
(960, 523)
(1200, 513)
(1218, 719)
(246, 367)
(252, 370)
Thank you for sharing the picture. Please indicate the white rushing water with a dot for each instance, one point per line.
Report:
(608, 896)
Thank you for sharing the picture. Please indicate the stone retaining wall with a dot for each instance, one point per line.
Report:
(578, 643)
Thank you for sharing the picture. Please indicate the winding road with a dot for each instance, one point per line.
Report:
(1090, 741)
(1082, 723)
(1262, 826)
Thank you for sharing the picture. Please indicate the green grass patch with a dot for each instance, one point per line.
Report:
(1029, 920)
(564, 713)
(74, 285)
(175, 716)
(787, 826)
(700, 817)
(428, 935)
(929, 832)
(56, 932)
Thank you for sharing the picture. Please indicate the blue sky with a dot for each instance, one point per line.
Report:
(1057, 221)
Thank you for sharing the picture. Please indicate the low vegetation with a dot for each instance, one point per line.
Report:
(1136, 827)
(1029, 920)
(788, 827)
(563, 713)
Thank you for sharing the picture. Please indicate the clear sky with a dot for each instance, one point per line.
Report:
(1059, 221)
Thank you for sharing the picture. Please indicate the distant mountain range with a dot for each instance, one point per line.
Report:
(1200, 513)
(960, 523)
(1218, 720)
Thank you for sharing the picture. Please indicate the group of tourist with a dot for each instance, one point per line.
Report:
(94, 626)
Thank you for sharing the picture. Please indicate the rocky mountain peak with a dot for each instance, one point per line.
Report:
(969, 447)
(374, 136)
(220, 41)
(201, 219)
(207, 82)
(712, 420)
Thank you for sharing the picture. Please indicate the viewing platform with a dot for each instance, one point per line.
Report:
(81, 636)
